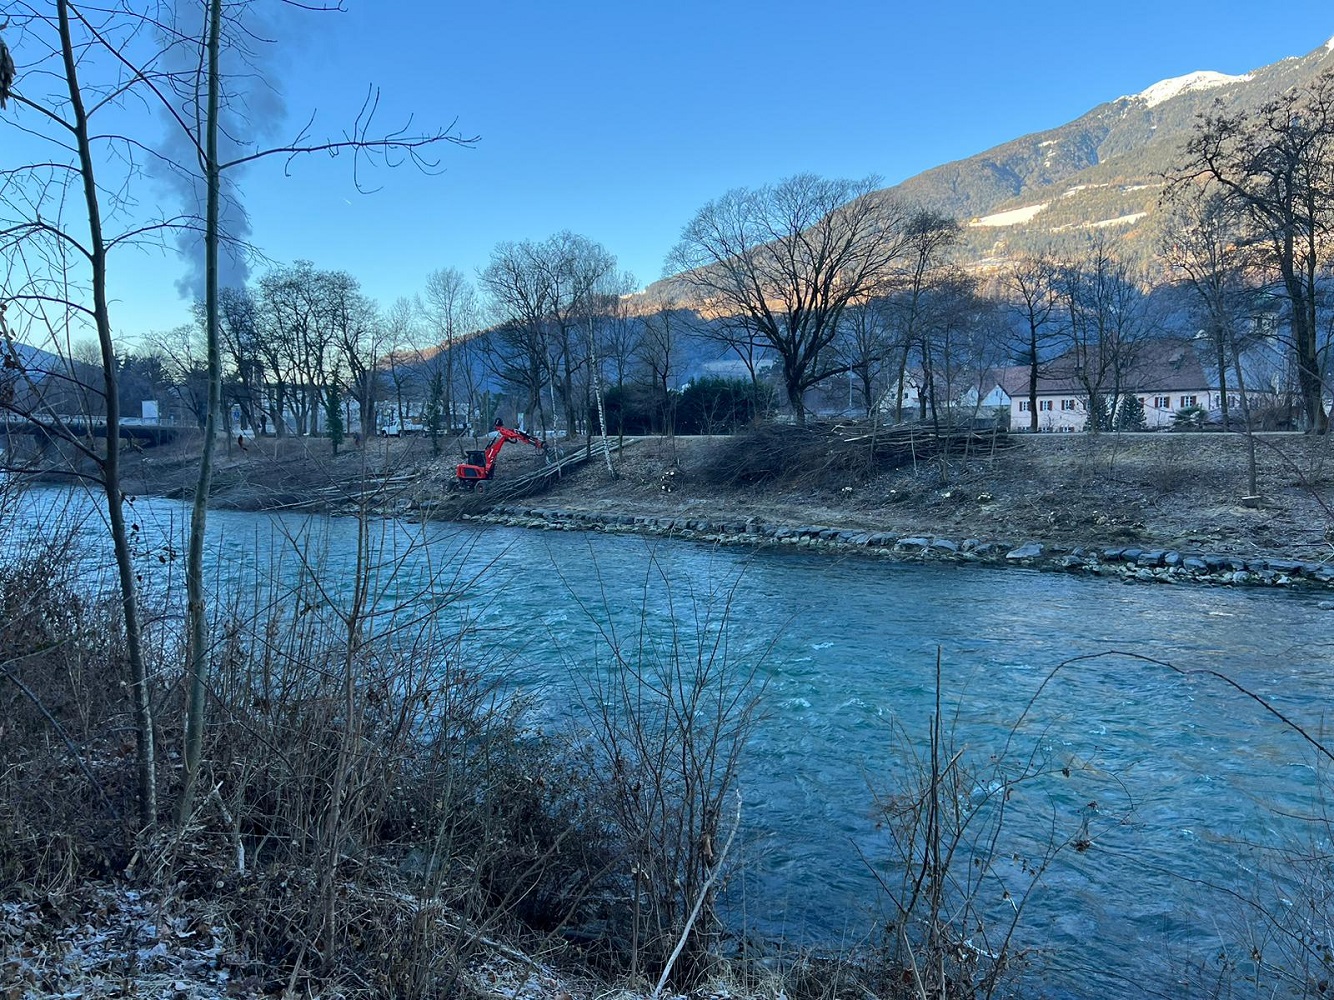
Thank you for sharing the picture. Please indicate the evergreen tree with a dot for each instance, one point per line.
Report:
(1099, 418)
(435, 409)
(1130, 414)
(333, 417)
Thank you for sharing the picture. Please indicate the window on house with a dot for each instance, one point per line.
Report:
(1187, 401)
(1023, 406)
(1162, 402)
(1044, 404)
(1068, 404)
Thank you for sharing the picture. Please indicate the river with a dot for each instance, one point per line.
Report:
(1203, 798)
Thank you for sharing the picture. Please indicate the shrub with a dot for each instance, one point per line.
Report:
(1190, 418)
(714, 405)
(958, 879)
(67, 778)
(630, 410)
(668, 724)
(379, 803)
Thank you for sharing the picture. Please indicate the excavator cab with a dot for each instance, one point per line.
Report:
(470, 473)
(478, 466)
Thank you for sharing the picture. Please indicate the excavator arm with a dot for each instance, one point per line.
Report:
(503, 436)
(480, 465)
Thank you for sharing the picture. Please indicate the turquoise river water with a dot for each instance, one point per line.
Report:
(1206, 804)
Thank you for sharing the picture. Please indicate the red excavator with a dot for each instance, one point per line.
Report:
(477, 466)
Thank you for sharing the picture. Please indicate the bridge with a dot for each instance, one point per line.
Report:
(59, 426)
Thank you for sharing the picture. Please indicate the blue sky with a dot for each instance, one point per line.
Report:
(619, 121)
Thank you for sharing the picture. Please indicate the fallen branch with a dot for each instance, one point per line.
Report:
(699, 904)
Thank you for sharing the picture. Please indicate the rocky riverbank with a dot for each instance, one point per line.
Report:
(1147, 565)
(1168, 508)
(1163, 507)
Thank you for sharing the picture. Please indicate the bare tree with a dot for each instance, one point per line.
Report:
(929, 240)
(961, 348)
(359, 342)
(129, 55)
(238, 327)
(404, 343)
(1277, 167)
(520, 300)
(661, 359)
(298, 342)
(604, 320)
(1030, 286)
(577, 271)
(539, 294)
(1201, 245)
(623, 336)
(454, 318)
(867, 344)
(184, 355)
(64, 261)
(783, 263)
(1105, 323)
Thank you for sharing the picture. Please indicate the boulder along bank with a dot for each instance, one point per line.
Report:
(1131, 564)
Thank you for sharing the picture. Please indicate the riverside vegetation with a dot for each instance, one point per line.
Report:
(379, 818)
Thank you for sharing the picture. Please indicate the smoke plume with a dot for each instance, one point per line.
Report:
(251, 110)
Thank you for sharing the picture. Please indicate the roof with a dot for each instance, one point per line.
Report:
(1166, 365)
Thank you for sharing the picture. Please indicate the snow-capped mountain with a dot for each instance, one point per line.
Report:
(1102, 171)
(1204, 79)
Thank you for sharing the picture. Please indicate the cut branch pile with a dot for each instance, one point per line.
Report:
(837, 454)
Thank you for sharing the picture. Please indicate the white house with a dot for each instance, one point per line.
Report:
(1166, 376)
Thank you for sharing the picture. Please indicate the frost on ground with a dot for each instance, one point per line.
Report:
(113, 941)
(505, 978)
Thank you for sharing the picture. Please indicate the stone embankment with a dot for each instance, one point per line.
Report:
(1149, 565)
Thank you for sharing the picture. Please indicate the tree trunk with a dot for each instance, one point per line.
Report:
(1305, 341)
(795, 396)
(97, 252)
(602, 410)
(1220, 339)
(1252, 480)
(1033, 381)
(195, 610)
(902, 377)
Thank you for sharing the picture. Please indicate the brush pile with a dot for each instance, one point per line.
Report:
(842, 454)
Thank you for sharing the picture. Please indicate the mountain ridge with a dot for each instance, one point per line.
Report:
(1103, 169)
